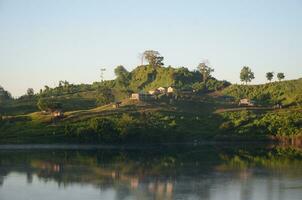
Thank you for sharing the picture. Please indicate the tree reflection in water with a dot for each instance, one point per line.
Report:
(162, 173)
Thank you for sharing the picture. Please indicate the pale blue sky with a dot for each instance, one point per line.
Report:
(42, 42)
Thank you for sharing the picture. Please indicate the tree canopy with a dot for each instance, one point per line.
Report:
(269, 76)
(205, 71)
(246, 74)
(154, 58)
(30, 92)
(280, 76)
(122, 76)
(4, 95)
(105, 95)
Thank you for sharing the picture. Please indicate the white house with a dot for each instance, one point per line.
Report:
(170, 90)
(153, 92)
(162, 90)
(246, 102)
(58, 113)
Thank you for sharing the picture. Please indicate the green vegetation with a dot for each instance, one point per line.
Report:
(48, 104)
(289, 93)
(205, 71)
(280, 76)
(270, 76)
(200, 107)
(4, 96)
(246, 74)
(154, 58)
(277, 123)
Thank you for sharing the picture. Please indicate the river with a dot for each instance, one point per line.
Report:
(210, 172)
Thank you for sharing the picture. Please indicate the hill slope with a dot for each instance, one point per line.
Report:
(286, 92)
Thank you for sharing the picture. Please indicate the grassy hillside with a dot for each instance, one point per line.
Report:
(147, 77)
(208, 113)
(196, 119)
(86, 96)
(132, 122)
(76, 101)
(287, 92)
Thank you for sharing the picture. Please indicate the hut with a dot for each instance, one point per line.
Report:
(57, 113)
(246, 102)
(162, 90)
(170, 90)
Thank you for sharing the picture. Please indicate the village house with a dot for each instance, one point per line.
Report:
(246, 102)
(162, 90)
(170, 90)
(57, 113)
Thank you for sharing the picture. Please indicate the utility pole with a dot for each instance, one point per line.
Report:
(102, 74)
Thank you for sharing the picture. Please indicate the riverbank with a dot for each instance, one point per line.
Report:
(141, 122)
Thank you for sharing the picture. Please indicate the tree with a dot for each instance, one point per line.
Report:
(270, 76)
(122, 76)
(30, 92)
(46, 88)
(4, 95)
(205, 71)
(105, 95)
(153, 57)
(280, 76)
(199, 87)
(246, 74)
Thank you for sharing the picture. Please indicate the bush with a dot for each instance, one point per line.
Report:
(199, 87)
(273, 123)
(214, 85)
(48, 104)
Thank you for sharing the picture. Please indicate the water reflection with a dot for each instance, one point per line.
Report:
(202, 172)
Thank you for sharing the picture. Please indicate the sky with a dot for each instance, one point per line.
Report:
(42, 42)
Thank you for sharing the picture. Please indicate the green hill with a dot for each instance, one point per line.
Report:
(86, 96)
(286, 92)
(206, 113)
(147, 77)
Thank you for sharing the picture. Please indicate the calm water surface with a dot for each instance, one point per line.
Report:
(227, 172)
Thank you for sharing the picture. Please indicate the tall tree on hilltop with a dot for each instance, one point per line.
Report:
(205, 71)
(246, 74)
(154, 58)
(280, 76)
(122, 75)
(269, 76)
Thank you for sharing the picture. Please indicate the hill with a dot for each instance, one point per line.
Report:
(289, 93)
(209, 111)
(87, 96)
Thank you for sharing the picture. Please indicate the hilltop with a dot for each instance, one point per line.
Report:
(87, 96)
